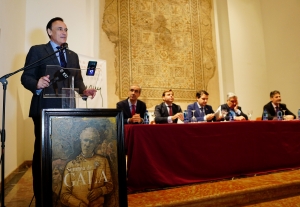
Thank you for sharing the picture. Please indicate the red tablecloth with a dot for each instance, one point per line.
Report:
(176, 154)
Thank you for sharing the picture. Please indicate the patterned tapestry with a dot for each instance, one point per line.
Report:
(161, 44)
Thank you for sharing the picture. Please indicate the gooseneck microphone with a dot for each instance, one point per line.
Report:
(64, 46)
(31, 66)
(60, 75)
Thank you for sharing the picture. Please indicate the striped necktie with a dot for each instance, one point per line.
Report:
(62, 59)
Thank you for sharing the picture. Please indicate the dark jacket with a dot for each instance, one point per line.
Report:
(271, 111)
(229, 110)
(200, 116)
(124, 106)
(31, 76)
(161, 112)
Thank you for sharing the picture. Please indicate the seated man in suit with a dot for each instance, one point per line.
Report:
(232, 109)
(275, 105)
(203, 112)
(167, 111)
(133, 109)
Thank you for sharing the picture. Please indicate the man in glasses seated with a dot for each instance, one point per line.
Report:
(133, 109)
(230, 110)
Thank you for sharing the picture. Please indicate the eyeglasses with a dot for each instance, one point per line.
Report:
(135, 91)
(62, 29)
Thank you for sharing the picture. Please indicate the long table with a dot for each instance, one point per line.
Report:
(166, 155)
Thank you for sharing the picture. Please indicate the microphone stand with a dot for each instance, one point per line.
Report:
(2, 131)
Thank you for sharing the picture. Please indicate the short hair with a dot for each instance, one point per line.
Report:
(230, 95)
(200, 93)
(49, 25)
(273, 93)
(164, 93)
(92, 130)
(140, 88)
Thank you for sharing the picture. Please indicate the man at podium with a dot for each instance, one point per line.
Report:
(35, 79)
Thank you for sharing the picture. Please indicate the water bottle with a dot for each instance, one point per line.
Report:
(298, 114)
(231, 116)
(265, 115)
(146, 117)
(185, 116)
(279, 115)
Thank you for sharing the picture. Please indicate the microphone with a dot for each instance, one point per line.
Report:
(30, 66)
(64, 46)
(60, 75)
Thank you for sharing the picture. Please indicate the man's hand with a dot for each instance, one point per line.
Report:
(288, 117)
(136, 118)
(43, 82)
(239, 118)
(209, 117)
(90, 92)
(179, 116)
(94, 194)
(236, 107)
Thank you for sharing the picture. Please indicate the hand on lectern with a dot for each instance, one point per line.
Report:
(90, 92)
(43, 82)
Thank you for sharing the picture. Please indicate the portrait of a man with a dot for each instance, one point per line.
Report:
(86, 175)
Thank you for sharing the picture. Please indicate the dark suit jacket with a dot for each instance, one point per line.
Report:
(124, 106)
(271, 111)
(161, 112)
(200, 116)
(226, 107)
(30, 77)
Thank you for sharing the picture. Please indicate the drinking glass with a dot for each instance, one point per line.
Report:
(249, 114)
(153, 114)
(224, 113)
(283, 114)
(194, 119)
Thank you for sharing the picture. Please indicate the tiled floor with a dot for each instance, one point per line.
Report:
(19, 192)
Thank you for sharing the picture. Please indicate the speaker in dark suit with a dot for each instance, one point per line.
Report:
(270, 107)
(203, 112)
(35, 80)
(133, 104)
(167, 111)
(30, 78)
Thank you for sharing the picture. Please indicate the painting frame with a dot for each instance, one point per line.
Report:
(64, 132)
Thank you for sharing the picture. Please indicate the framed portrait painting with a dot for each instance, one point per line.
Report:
(83, 158)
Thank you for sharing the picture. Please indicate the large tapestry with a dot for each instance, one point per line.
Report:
(161, 44)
